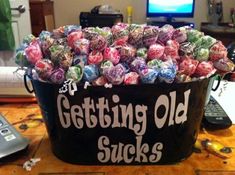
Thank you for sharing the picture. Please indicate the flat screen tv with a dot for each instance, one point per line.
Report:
(170, 8)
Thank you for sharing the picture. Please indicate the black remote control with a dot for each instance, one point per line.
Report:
(215, 117)
(11, 141)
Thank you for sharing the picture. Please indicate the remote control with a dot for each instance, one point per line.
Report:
(215, 117)
(11, 141)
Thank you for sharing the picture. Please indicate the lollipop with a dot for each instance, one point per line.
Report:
(105, 65)
(95, 57)
(165, 33)
(142, 52)
(155, 51)
(90, 73)
(150, 35)
(112, 54)
(186, 49)
(82, 46)
(194, 35)
(115, 75)
(224, 65)
(148, 76)
(202, 54)
(218, 51)
(136, 36)
(75, 73)
(167, 75)
(33, 53)
(138, 64)
(204, 69)
(127, 53)
(180, 35)
(131, 78)
(80, 59)
(73, 37)
(98, 43)
(21, 59)
(188, 66)
(44, 68)
(120, 33)
(57, 76)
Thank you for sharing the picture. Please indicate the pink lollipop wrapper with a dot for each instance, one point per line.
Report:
(98, 43)
(57, 76)
(131, 78)
(73, 37)
(33, 53)
(155, 51)
(112, 54)
(204, 69)
(150, 35)
(95, 57)
(218, 51)
(82, 46)
(188, 66)
(171, 52)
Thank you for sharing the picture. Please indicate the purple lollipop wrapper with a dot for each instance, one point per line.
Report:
(115, 75)
(57, 76)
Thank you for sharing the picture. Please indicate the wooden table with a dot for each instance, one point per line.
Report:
(19, 114)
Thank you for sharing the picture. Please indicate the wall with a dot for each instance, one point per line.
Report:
(67, 12)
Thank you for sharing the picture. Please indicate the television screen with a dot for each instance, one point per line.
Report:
(170, 8)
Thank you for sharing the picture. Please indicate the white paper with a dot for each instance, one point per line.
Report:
(225, 95)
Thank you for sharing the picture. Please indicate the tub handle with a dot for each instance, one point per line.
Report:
(217, 85)
(26, 84)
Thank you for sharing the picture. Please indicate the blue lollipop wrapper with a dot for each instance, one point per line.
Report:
(167, 75)
(90, 73)
(148, 76)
